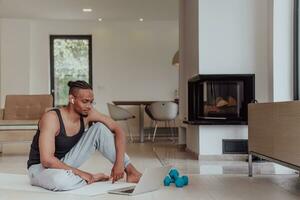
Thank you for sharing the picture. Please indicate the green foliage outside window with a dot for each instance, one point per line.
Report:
(71, 62)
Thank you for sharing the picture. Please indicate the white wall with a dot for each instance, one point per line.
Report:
(189, 63)
(131, 60)
(251, 36)
(211, 137)
(15, 57)
(283, 50)
(189, 54)
(235, 40)
(234, 37)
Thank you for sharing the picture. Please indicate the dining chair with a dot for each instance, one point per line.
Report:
(165, 111)
(120, 114)
(152, 120)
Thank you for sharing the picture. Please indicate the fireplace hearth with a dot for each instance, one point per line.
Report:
(220, 99)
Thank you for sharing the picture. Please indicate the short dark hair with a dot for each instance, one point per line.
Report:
(76, 85)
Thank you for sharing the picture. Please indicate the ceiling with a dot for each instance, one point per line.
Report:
(106, 9)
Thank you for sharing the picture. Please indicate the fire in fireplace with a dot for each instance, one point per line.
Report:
(220, 99)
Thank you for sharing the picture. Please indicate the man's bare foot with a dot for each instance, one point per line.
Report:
(133, 178)
(132, 175)
(100, 177)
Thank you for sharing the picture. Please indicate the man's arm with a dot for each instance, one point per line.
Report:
(118, 169)
(49, 126)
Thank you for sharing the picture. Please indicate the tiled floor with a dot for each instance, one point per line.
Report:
(188, 164)
(209, 180)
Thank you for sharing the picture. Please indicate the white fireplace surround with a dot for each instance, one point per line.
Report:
(251, 36)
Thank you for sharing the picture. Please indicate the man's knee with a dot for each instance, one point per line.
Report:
(101, 128)
(99, 125)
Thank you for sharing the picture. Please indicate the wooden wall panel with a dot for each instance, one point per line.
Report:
(274, 130)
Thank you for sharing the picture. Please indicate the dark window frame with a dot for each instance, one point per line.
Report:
(296, 75)
(69, 37)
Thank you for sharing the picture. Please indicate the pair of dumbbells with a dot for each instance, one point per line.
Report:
(174, 177)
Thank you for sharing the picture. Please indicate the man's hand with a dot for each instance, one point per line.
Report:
(117, 172)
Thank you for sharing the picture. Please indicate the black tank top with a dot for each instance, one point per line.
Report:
(63, 143)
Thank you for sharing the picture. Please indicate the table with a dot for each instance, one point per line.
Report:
(141, 105)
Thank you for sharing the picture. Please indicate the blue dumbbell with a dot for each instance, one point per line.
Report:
(174, 174)
(167, 181)
(175, 178)
(185, 180)
(179, 182)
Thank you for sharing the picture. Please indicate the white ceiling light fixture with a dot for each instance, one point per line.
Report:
(87, 10)
(141, 19)
(100, 19)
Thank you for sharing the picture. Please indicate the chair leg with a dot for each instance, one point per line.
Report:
(154, 133)
(171, 130)
(1, 148)
(130, 135)
(151, 125)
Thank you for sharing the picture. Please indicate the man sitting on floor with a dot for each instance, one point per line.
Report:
(62, 144)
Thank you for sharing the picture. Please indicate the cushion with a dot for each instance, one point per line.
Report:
(26, 107)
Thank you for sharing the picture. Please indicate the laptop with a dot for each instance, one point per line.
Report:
(151, 180)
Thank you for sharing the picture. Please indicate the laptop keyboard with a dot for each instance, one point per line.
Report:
(128, 191)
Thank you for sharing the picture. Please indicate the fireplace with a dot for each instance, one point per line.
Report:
(220, 99)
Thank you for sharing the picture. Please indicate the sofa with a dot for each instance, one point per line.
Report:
(19, 118)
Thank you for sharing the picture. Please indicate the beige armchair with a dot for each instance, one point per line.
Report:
(19, 118)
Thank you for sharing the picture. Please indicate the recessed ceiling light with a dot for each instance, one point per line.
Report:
(141, 19)
(99, 19)
(87, 10)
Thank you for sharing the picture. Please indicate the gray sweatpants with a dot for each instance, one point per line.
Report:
(97, 137)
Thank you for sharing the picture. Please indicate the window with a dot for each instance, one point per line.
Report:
(70, 59)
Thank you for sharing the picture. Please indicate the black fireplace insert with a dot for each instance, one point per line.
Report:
(220, 99)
